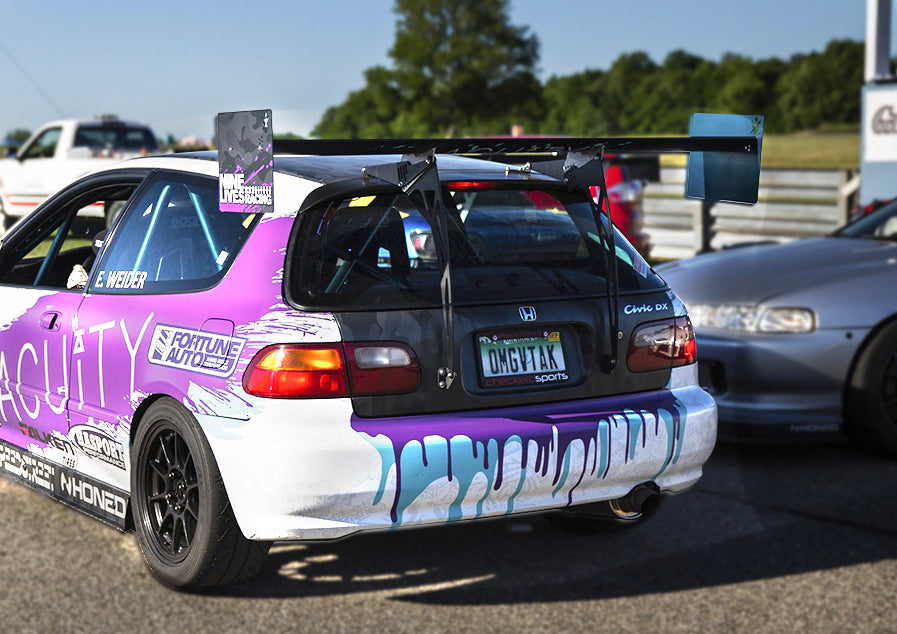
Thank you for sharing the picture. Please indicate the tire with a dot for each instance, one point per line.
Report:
(871, 403)
(186, 529)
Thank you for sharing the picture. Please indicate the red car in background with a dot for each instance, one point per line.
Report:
(625, 191)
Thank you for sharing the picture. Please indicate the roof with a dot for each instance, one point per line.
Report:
(118, 123)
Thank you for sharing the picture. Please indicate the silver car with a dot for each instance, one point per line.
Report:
(800, 339)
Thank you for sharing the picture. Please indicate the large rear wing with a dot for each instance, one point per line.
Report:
(723, 162)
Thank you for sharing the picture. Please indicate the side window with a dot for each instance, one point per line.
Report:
(172, 239)
(365, 251)
(58, 246)
(44, 146)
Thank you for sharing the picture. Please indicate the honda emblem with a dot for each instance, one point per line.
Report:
(527, 313)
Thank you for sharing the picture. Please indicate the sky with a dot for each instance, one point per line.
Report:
(174, 65)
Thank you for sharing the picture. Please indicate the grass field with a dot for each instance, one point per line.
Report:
(832, 150)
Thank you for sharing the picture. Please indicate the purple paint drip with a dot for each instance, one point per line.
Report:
(576, 421)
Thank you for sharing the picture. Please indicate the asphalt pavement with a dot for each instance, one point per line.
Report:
(789, 538)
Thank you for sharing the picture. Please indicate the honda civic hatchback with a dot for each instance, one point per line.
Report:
(218, 381)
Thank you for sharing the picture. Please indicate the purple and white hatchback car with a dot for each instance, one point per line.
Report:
(371, 355)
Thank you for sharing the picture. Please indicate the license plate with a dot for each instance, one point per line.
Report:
(534, 357)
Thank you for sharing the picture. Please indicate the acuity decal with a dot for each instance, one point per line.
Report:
(35, 376)
(195, 350)
(463, 447)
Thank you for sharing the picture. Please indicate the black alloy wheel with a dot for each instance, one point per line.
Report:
(172, 493)
(186, 530)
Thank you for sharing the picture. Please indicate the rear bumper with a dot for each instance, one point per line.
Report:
(313, 470)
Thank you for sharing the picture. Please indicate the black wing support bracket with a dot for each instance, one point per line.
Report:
(583, 170)
(418, 177)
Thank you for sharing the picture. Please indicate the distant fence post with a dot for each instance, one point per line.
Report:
(848, 192)
(703, 225)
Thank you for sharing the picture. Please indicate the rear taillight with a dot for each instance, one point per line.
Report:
(660, 345)
(388, 368)
(332, 370)
(297, 371)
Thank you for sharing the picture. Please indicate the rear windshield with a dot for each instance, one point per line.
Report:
(115, 137)
(505, 244)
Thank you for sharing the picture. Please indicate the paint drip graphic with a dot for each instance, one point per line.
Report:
(460, 447)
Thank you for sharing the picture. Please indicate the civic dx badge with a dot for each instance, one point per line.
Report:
(527, 313)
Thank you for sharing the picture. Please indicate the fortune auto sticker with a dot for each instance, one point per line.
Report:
(195, 350)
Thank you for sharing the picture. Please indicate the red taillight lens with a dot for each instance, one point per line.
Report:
(328, 370)
(297, 371)
(471, 185)
(382, 368)
(664, 344)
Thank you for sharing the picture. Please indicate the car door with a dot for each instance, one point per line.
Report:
(146, 314)
(46, 356)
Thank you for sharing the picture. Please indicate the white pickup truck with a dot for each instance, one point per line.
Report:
(60, 152)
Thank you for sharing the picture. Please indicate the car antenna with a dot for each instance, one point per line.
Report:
(32, 80)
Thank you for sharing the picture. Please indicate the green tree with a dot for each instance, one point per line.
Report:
(674, 91)
(19, 135)
(459, 67)
(740, 88)
(627, 84)
(374, 111)
(574, 105)
(822, 87)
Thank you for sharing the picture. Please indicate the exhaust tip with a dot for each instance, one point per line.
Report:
(643, 500)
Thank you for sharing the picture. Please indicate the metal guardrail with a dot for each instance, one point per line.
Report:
(793, 204)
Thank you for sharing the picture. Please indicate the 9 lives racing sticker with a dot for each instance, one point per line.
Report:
(245, 162)
(195, 350)
(533, 357)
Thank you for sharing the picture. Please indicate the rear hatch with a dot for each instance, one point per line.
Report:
(529, 315)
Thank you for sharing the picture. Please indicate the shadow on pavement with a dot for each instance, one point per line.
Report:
(759, 512)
